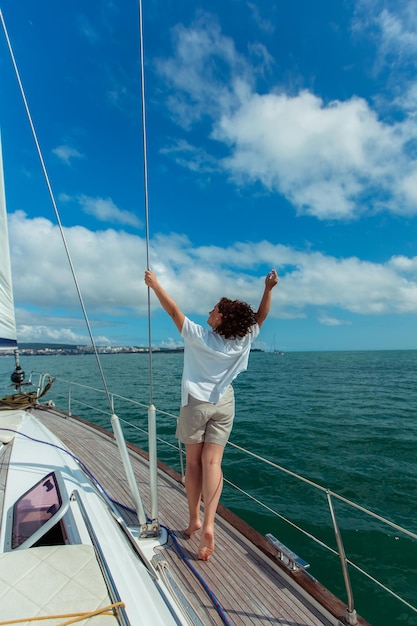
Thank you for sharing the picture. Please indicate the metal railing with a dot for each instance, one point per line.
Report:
(329, 495)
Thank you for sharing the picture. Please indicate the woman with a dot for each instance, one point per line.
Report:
(212, 359)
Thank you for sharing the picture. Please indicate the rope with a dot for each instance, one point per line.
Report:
(220, 610)
(24, 400)
(222, 613)
(106, 610)
(47, 387)
(18, 401)
(54, 445)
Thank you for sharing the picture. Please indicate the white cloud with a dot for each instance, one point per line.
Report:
(107, 264)
(40, 326)
(407, 185)
(404, 265)
(171, 343)
(322, 158)
(309, 279)
(105, 210)
(327, 320)
(110, 268)
(191, 157)
(206, 73)
(67, 153)
(46, 334)
(263, 24)
(332, 160)
(398, 30)
(391, 25)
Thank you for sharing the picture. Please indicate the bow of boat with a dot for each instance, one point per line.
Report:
(68, 518)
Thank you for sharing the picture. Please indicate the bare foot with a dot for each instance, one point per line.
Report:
(192, 529)
(206, 545)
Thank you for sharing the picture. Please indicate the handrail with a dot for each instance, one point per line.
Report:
(111, 586)
(351, 613)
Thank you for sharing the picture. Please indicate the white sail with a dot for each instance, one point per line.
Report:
(7, 316)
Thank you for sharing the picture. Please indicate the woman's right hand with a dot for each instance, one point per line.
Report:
(150, 279)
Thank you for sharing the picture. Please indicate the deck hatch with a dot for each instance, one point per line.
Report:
(36, 512)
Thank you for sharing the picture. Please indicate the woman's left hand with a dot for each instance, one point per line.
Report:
(271, 279)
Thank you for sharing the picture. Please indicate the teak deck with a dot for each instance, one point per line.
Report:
(251, 585)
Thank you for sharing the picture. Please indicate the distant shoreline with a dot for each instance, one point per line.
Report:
(69, 350)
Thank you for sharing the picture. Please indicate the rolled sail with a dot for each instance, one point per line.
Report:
(7, 316)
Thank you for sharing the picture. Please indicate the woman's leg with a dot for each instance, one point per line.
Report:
(193, 485)
(212, 485)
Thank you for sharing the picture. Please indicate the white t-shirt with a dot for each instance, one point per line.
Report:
(211, 362)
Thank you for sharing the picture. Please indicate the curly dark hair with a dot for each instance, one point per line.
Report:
(237, 318)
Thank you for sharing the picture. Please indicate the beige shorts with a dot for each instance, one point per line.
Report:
(202, 421)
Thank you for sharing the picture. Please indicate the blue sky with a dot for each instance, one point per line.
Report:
(279, 134)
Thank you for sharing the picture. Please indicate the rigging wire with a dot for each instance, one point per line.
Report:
(145, 187)
(57, 215)
(58, 219)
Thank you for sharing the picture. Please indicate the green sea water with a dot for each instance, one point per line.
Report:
(346, 421)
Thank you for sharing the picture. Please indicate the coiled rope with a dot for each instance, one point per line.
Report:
(18, 401)
(24, 400)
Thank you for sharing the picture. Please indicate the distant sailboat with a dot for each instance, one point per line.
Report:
(275, 351)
